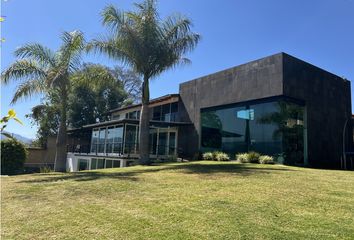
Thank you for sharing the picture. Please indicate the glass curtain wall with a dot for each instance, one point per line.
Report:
(107, 140)
(163, 141)
(131, 139)
(114, 141)
(273, 128)
(165, 113)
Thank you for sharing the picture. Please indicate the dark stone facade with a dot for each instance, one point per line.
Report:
(327, 98)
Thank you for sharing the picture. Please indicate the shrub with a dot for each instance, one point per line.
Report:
(13, 156)
(253, 157)
(220, 156)
(265, 159)
(208, 156)
(215, 154)
(45, 169)
(242, 157)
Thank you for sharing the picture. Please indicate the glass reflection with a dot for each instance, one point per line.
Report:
(273, 128)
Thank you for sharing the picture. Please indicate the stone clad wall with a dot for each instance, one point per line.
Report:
(254, 80)
(327, 98)
(328, 105)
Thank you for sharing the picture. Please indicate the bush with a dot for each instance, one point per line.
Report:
(220, 156)
(45, 169)
(13, 156)
(253, 157)
(265, 159)
(242, 157)
(208, 156)
(216, 156)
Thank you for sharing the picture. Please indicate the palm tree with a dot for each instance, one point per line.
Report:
(41, 71)
(149, 45)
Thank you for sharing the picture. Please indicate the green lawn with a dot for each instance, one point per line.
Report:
(197, 200)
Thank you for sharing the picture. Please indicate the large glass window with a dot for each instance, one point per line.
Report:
(165, 117)
(153, 140)
(163, 141)
(94, 140)
(101, 140)
(98, 140)
(107, 140)
(156, 113)
(133, 115)
(172, 143)
(167, 112)
(83, 164)
(174, 112)
(131, 138)
(273, 128)
(100, 163)
(93, 163)
(114, 139)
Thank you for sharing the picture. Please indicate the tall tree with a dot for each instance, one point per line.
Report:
(150, 45)
(42, 70)
(46, 116)
(131, 83)
(96, 90)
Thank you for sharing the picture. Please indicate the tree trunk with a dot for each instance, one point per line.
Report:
(60, 153)
(144, 146)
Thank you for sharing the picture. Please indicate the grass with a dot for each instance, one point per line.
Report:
(197, 200)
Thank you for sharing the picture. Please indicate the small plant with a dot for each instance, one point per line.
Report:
(265, 159)
(208, 156)
(220, 156)
(45, 169)
(253, 157)
(215, 154)
(242, 157)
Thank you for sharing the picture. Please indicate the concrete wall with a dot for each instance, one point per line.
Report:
(258, 79)
(38, 157)
(328, 101)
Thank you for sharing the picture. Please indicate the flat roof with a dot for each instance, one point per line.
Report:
(132, 121)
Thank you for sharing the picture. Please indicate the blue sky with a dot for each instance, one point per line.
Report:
(233, 32)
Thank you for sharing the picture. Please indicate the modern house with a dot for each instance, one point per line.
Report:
(278, 105)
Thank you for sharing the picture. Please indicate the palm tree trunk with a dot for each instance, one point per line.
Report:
(144, 124)
(60, 154)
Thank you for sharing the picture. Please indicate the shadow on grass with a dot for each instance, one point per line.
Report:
(184, 168)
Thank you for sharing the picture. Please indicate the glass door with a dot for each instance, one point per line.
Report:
(153, 141)
(162, 143)
(172, 143)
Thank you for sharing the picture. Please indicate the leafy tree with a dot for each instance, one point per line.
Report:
(96, 91)
(47, 117)
(82, 106)
(148, 44)
(43, 70)
(131, 83)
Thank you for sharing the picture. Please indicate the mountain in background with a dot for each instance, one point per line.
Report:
(26, 141)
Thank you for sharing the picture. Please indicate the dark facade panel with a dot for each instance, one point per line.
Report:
(258, 79)
(328, 103)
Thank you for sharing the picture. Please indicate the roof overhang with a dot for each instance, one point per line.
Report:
(153, 123)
